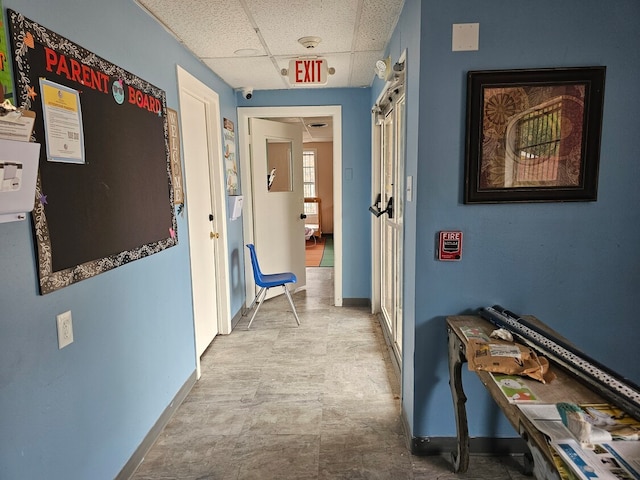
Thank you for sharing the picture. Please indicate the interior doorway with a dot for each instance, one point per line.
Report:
(277, 192)
(317, 165)
(334, 113)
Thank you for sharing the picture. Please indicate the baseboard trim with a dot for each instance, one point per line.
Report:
(151, 437)
(423, 446)
(236, 319)
(356, 302)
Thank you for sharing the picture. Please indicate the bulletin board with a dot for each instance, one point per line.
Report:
(104, 197)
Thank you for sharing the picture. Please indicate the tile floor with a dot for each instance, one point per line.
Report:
(319, 401)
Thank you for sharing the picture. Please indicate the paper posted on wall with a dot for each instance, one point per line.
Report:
(17, 124)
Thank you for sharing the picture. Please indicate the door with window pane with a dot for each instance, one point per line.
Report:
(391, 231)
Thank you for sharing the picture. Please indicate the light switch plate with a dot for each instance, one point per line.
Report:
(409, 188)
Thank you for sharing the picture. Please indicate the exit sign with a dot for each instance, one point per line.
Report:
(308, 71)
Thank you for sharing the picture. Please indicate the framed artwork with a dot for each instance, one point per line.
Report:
(533, 135)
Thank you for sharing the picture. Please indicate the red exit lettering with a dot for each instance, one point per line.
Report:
(308, 71)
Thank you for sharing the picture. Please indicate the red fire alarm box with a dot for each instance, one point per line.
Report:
(450, 246)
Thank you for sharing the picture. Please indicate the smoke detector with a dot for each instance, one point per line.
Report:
(309, 42)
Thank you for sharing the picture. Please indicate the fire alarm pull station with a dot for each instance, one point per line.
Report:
(450, 246)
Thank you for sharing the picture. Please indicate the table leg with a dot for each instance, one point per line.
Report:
(457, 357)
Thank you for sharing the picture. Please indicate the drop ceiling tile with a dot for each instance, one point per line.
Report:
(247, 72)
(342, 62)
(208, 28)
(379, 18)
(283, 22)
(364, 68)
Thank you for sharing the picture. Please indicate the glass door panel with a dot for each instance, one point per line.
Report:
(392, 188)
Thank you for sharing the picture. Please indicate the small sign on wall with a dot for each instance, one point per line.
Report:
(174, 151)
(230, 165)
(450, 246)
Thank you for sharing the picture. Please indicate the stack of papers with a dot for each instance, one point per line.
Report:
(601, 460)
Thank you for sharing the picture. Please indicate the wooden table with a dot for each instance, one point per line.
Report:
(564, 388)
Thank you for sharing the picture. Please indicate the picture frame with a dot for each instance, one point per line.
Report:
(533, 135)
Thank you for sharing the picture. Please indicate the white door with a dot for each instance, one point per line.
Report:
(391, 224)
(202, 222)
(205, 198)
(278, 198)
(392, 176)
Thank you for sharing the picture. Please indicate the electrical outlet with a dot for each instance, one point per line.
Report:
(65, 329)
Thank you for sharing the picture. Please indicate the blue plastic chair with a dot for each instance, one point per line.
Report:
(267, 281)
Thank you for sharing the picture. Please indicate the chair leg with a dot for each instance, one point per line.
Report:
(295, 314)
(255, 312)
(255, 299)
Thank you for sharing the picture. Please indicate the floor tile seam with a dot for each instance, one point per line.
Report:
(288, 383)
(346, 363)
(302, 340)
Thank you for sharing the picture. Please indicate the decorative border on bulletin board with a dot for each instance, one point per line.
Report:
(24, 33)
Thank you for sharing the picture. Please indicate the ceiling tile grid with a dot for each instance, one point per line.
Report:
(203, 25)
(354, 34)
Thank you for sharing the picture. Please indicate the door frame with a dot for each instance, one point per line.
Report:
(190, 85)
(376, 267)
(334, 111)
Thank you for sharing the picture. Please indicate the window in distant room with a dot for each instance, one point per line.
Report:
(309, 178)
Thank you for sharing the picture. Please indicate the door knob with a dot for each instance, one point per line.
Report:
(303, 216)
(214, 235)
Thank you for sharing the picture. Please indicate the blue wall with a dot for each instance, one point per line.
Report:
(356, 172)
(82, 411)
(572, 264)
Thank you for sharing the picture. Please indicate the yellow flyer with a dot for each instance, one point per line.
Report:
(62, 123)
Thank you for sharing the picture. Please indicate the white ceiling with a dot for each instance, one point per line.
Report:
(314, 129)
(354, 34)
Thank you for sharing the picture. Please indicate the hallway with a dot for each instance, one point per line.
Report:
(319, 401)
